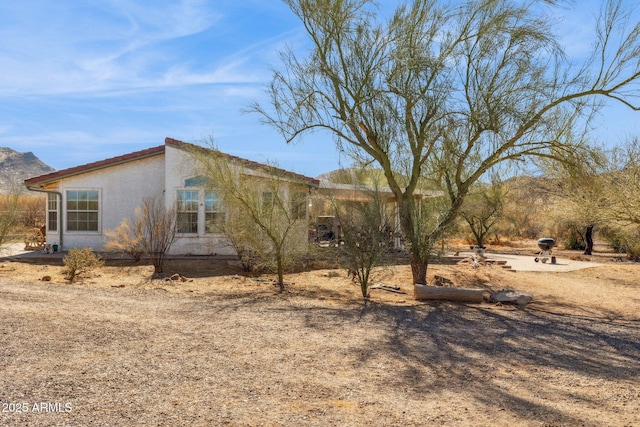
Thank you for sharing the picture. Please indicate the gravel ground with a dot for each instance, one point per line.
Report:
(142, 355)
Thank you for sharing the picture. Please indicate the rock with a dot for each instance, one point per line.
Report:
(511, 296)
(442, 281)
(46, 278)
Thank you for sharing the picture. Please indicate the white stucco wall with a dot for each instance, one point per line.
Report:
(180, 167)
(121, 189)
(184, 167)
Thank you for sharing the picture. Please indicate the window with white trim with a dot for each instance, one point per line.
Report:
(213, 213)
(83, 210)
(52, 212)
(188, 211)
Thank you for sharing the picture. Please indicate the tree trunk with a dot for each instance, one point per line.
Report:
(589, 240)
(419, 270)
(280, 272)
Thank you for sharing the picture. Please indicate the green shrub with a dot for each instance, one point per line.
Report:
(629, 242)
(80, 261)
(574, 241)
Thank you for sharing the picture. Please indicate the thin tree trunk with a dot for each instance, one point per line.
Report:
(419, 270)
(589, 240)
(280, 272)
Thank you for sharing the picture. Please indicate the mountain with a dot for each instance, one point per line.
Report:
(15, 167)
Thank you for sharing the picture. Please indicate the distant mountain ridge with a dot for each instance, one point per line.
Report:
(15, 167)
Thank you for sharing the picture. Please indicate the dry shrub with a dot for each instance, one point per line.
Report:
(320, 265)
(579, 258)
(80, 261)
(127, 237)
(500, 241)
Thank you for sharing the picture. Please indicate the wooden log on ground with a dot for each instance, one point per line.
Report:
(424, 292)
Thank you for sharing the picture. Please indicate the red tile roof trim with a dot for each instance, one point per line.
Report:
(76, 170)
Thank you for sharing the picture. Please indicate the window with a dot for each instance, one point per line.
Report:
(299, 205)
(52, 212)
(188, 211)
(82, 210)
(213, 214)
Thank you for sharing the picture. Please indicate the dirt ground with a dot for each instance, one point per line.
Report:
(223, 348)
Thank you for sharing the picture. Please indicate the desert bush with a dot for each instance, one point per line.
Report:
(574, 240)
(151, 231)
(8, 215)
(626, 240)
(80, 261)
(366, 235)
(483, 209)
(159, 228)
(32, 210)
(127, 238)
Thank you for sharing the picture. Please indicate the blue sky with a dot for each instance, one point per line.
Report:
(85, 80)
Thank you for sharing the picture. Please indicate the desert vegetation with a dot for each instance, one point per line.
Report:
(458, 107)
(79, 262)
(313, 353)
(439, 94)
(151, 232)
(265, 214)
(19, 213)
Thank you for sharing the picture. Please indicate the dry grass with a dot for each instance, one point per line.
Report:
(222, 348)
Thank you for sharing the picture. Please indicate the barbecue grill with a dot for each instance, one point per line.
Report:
(545, 244)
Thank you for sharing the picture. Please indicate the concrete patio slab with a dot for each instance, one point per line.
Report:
(527, 263)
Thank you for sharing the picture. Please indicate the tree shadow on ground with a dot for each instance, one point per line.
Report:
(472, 345)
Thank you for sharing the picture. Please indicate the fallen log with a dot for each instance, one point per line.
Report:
(424, 292)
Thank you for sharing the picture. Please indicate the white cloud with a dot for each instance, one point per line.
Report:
(64, 47)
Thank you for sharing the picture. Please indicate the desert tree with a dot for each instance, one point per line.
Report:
(446, 91)
(483, 208)
(9, 214)
(265, 209)
(620, 184)
(366, 221)
(616, 199)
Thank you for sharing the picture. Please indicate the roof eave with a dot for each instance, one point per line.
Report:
(45, 179)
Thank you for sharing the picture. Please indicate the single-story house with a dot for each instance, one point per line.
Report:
(84, 202)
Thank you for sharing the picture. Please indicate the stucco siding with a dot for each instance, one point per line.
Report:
(180, 167)
(121, 189)
(121, 184)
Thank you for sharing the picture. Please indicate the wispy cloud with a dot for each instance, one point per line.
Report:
(87, 79)
(66, 47)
